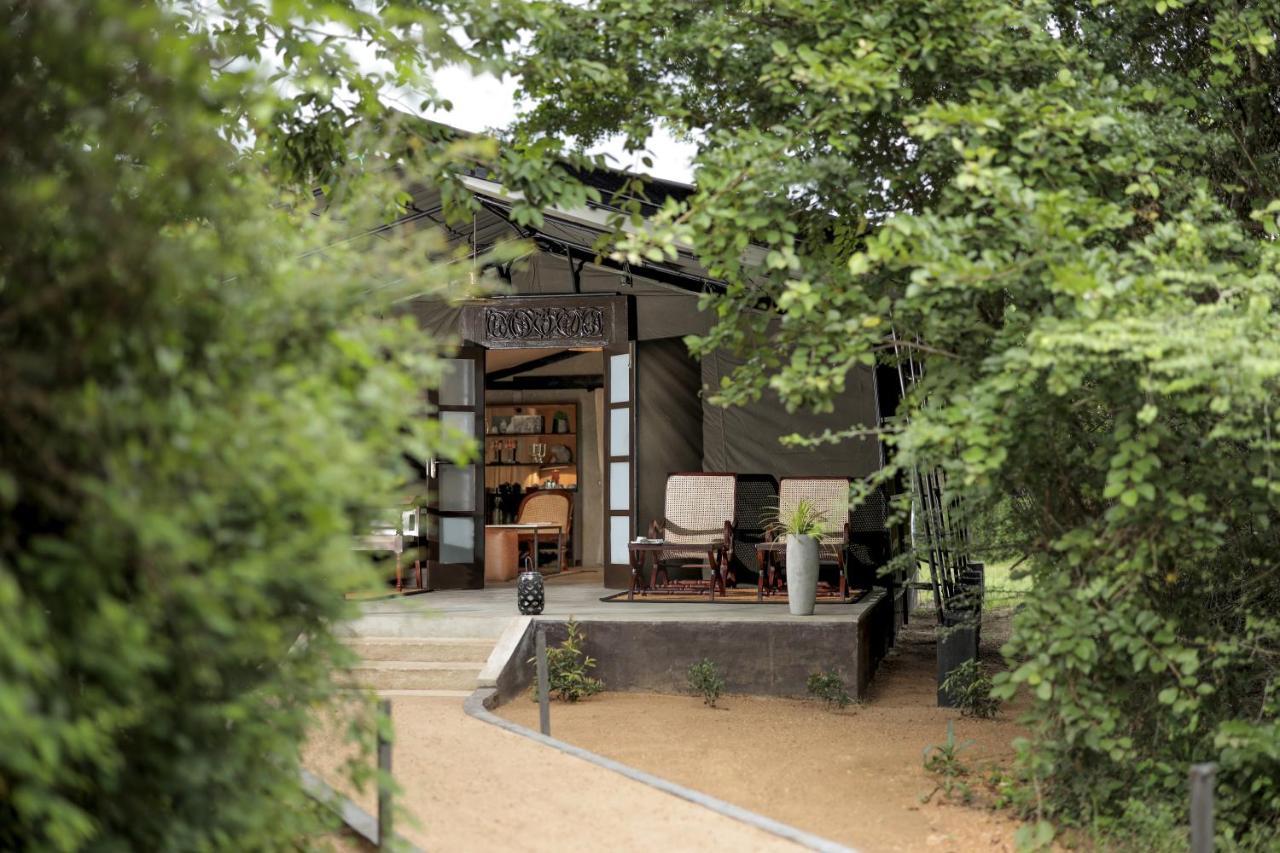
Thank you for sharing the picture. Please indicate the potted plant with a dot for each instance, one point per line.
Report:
(801, 528)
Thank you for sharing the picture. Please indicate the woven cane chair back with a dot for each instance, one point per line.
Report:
(756, 499)
(829, 496)
(696, 508)
(546, 508)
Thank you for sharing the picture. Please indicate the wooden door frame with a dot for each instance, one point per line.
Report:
(618, 575)
(468, 575)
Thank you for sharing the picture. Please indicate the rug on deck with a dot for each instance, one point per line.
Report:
(677, 593)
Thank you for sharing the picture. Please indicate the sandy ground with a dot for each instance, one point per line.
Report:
(470, 786)
(854, 776)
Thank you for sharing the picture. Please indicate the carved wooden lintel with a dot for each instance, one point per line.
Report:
(540, 322)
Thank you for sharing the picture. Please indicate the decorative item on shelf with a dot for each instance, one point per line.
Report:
(531, 595)
(526, 424)
(538, 452)
(561, 455)
(560, 422)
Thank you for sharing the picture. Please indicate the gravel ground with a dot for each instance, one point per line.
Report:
(855, 776)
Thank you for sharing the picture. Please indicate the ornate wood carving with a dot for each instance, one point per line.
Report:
(526, 322)
(518, 324)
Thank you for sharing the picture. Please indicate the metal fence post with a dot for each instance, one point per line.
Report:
(544, 686)
(384, 776)
(1202, 807)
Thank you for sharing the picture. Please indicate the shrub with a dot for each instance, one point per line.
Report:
(705, 679)
(567, 667)
(970, 687)
(829, 687)
(198, 410)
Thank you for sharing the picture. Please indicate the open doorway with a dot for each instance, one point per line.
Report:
(543, 449)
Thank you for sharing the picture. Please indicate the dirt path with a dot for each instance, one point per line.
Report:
(470, 786)
(854, 776)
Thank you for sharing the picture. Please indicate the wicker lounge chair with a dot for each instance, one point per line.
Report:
(550, 507)
(755, 502)
(830, 497)
(698, 525)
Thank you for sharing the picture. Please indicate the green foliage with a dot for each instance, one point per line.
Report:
(943, 760)
(1143, 827)
(568, 667)
(829, 687)
(705, 679)
(199, 408)
(1033, 837)
(971, 687)
(1064, 214)
(804, 519)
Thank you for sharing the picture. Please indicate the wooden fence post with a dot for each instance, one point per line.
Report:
(544, 686)
(384, 776)
(1202, 807)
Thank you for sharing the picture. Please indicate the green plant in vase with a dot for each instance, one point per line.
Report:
(801, 527)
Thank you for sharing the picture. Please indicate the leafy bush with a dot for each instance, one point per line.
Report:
(198, 410)
(567, 668)
(706, 681)
(970, 687)
(829, 687)
(1074, 265)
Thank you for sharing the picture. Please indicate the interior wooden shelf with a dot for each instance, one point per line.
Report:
(529, 434)
(529, 465)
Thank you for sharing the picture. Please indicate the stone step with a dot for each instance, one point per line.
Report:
(415, 675)
(428, 649)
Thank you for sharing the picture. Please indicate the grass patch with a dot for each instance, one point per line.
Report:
(1004, 586)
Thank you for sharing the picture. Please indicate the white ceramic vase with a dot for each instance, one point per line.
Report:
(802, 574)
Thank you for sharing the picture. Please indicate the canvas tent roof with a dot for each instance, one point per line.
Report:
(679, 429)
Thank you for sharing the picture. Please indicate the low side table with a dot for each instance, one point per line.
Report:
(768, 577)
(533, 528)
(638, 553)
(501, 554)
(393, 542)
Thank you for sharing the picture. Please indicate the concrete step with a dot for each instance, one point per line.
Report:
(429, 624)
(425, 694)
(431, 649)
(415, 675)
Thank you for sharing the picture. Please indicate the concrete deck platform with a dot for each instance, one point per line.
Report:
(484, 612)
(648, 645)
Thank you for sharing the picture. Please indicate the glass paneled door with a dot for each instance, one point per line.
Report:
(454, 519)
(619, 476)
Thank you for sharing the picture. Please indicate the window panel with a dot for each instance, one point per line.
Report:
(463, 422)
(620, 432)
(457, 487)
(620, 378)
(619, 536)
(457, 540)
(619, 485)
(458, 384)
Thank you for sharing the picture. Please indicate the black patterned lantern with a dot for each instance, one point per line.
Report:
(530, 593)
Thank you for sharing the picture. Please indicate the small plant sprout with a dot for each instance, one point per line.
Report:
(943, 760)
(705, 679)
(829, 687)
